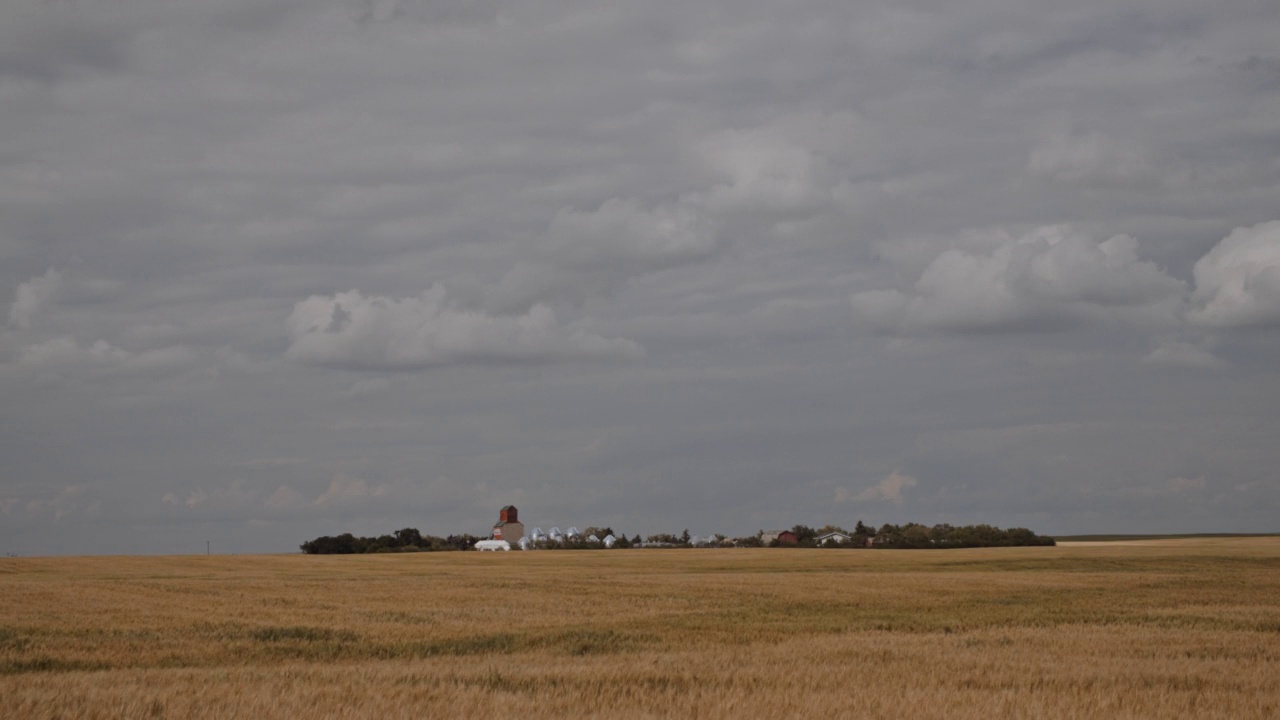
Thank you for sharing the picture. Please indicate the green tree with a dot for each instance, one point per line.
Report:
(409, 537)
(805, 535)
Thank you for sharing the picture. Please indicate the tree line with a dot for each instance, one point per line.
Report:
(910, 535)
(406, 540)
(915, 535)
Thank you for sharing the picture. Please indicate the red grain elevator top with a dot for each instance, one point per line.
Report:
(509, 514)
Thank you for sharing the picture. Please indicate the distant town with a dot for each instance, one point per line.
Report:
(509, 533)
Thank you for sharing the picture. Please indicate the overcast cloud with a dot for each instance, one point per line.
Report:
(281, 269)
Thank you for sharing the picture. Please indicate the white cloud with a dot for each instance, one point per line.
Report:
(1238, 281)
(888, 490)
(1051, 275)
(375, 332)
(197, 497)
(33, 295)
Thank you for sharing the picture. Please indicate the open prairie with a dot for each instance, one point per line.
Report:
(1156, 629)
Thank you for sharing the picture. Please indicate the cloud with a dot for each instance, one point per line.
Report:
(375, 332)
(887, 490)
(65, 353)
(342, 489)
(219, 499)
(368, 386)
(1174, 487)
(1180, 353)
(1048, 278)
(699, 179)
(341, 494)
(792, 164)
(592, 254)
(743, 182)
(33, 295)
(284, 498)
(1238, 281)
(1085, 157)
(69, 500)
(623, 232)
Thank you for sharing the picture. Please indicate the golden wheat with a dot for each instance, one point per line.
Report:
(1157, 629)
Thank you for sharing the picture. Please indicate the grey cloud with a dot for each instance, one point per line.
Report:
(589, 254)
(1182, 353)
(1088, 157)
(638, 228)
(42, 42)
(31, 296)
(889, 489)
(1052, 275)
(1238, 281)
(622, 232)
(64, 354)
(349, 329)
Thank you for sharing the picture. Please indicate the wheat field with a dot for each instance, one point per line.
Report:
(1157, 629)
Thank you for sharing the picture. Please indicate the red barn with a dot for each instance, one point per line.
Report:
(782, 537)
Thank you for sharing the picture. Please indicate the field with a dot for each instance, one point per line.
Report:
(1145, 629)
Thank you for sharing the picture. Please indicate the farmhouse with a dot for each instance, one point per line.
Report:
(833, 537)
(508, 527)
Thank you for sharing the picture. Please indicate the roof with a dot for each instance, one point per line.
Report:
(508, 507)
(833, 534)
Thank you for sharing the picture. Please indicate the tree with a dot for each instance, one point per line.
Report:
(805, 535)
(409, 536)
(889, 536)
(916, 536)
(599, 532)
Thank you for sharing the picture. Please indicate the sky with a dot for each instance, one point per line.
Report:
(271, 270)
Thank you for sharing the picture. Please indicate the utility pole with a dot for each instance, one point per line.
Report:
(206, 547)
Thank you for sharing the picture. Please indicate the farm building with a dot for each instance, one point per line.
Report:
(833, 537)
(508, 527)
(783, 537)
